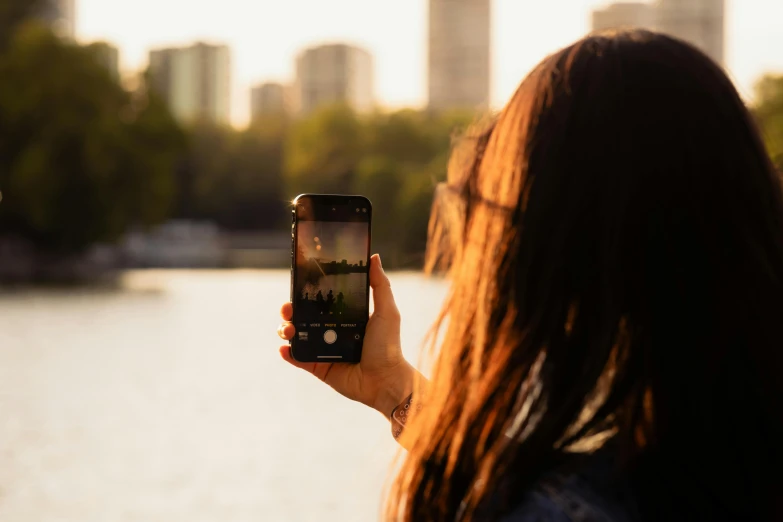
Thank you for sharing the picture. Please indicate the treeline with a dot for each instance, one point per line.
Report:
(768, 110)
(246, 179)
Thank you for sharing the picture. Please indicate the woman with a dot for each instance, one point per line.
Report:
(612, 340)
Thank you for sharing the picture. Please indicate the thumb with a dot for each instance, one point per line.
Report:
(382, 295)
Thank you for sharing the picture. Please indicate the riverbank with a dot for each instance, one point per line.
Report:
(174, 245)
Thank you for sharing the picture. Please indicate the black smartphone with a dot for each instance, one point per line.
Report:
(330, 276)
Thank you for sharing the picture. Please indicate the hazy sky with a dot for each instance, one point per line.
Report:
(265, 36)
(331, 241)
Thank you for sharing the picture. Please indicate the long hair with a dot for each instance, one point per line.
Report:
(614, 240)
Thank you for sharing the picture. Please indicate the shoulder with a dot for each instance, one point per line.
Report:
(570, 504)
(538, 507)
(576, 497)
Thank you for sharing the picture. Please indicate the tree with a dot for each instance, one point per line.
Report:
(13, 13)
(234, 178)
(408, 155)
(395, 159)
(323, 152)
(405, 136)
(203, 184)
(81, 160)
(259, 169)
(379, 178)
(414, 206)
(769, 112)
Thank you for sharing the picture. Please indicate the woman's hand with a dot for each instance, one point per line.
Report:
(383, 378)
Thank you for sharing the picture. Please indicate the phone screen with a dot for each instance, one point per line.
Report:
(331, 277)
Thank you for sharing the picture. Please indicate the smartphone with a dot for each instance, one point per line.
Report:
(330, 276)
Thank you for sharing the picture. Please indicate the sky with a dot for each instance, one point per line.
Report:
(337, 240)
(266, 35)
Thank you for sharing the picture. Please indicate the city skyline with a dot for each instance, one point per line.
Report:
(699, 22)
(334, 73)
(270, 98)
(459, 61)
(60, 15)
(264, 47)
(195, 81)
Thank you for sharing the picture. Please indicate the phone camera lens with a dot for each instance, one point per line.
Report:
(334, 209)
(357, 210)
(364, 210)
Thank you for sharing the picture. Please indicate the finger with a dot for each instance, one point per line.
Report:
(287, 312)
(383, 299)
(286, 331)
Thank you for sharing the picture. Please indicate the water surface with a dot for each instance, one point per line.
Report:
(168, 402)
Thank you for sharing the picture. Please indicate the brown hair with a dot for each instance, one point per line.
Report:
(615, 245)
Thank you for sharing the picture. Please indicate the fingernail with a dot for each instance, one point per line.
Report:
(380, 264)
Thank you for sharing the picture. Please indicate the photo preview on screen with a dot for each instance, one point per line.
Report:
(331, 285)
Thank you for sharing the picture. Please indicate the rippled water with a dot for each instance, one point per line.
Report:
(168, 402)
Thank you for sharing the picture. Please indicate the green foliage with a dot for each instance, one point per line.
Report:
(413, 209)
(13, 13)
(81, 160)
(234, 177)
(246, 179)
(405, 136)
(769, 112)
(395, 159)
(380, 179)
(324, 151)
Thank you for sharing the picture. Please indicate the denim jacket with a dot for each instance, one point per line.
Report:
(577, 497)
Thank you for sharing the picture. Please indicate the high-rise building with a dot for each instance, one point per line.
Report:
(108, 56)
(624, 15)
(459, 54)
(160, 71)
(61, 16)
(332, 74)
(195, 81)
(700, 22)
(269, 99)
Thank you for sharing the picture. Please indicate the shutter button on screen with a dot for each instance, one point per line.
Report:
(330, 336)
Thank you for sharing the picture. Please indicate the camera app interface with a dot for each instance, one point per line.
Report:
(331, 283)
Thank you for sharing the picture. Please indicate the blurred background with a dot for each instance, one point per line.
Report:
(149, 152)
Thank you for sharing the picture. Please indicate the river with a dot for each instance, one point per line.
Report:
(167, 401)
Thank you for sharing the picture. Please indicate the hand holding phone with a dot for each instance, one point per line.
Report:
(382, 378)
